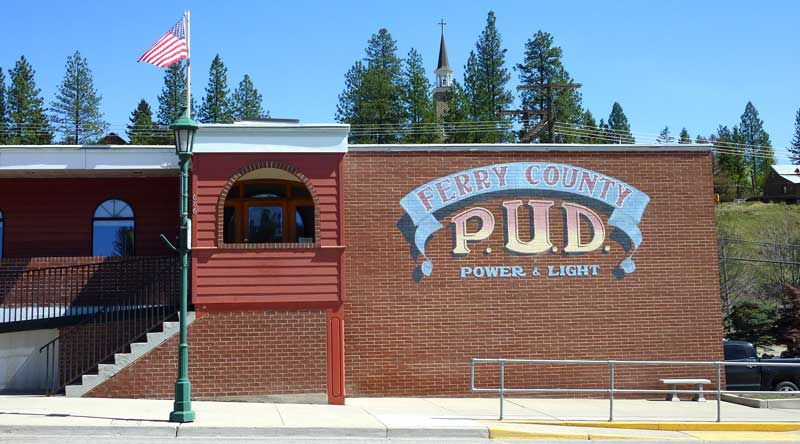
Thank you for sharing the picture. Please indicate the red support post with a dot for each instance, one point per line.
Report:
(336, 355)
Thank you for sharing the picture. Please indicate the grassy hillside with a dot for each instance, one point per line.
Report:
(757, 221)
(753, 291)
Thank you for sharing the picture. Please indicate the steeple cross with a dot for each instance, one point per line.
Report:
(442, 23)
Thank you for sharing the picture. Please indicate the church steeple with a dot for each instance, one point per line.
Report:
(444, 78)
(444, 74)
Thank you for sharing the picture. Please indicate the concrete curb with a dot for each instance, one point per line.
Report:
(677, 426)
(187, 430)
(274, 432)
(763, 403)
(438, 432)
(167, 431)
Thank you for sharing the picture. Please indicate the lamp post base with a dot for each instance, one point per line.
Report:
(182, 408)
(182, 416)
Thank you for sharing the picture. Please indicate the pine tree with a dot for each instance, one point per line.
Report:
(172, 99)
(247, 101)
(417, 101)
(605, 132)
(684, 137)
(700, 140)
(757, 147)
(142, 130)
(794, 147)
(28, 123)
(3, 118)
(664, 136)
(382, 90)
(485, 80)
(216, 105)
(543, 66)
(373, 94)
(732, 167)
(457, 113)
(348, 110)
(618, 127)
(589, 129)
(76, 110)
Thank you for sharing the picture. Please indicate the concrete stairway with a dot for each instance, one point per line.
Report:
(122, 360)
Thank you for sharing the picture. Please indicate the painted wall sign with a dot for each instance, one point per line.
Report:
(436, 199)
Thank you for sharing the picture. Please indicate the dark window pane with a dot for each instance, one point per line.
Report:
(112, 238)
(234, 191)
(304, 223)
(113, 208)
(264, 190)
(300, 192)
(264, 224)
(229, 225)
(734, 352)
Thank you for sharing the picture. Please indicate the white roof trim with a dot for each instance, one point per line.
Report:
(532, 147)
(788, 172)
(247, 137)
(87, 158)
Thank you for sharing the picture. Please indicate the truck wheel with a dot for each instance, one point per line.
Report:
(786, 386)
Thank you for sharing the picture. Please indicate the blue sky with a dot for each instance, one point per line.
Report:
(677, 63)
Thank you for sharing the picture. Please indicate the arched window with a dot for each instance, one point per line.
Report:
(1, 233)
(268, 205)
(112, 229)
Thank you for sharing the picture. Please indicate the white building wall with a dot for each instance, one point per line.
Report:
(22, 367)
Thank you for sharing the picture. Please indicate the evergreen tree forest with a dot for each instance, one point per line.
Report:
(387, 97)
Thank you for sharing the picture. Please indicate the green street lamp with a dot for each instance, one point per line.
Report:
(184, 129)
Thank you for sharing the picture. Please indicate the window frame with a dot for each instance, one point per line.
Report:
(288, 204)
(132, 219)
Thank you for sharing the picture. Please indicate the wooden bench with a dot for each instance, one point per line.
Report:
(675, 382)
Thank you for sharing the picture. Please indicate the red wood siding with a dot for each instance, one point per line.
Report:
(264, 276)
(53, 217)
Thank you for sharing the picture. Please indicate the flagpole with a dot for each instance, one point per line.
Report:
(188, 67)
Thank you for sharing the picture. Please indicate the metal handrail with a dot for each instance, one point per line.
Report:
(612, 366)
(35, 295)
(141, 310)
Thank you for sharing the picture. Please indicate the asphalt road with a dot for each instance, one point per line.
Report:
(56, 439)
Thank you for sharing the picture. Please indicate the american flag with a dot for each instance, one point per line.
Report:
(170, 48)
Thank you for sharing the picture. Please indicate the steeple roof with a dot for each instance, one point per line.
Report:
(443, 62)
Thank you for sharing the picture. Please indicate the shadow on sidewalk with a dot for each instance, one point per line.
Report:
(68, 415)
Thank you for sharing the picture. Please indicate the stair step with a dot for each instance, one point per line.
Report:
(122, 360)
(157, 337)
(106, 369)
(171, 325)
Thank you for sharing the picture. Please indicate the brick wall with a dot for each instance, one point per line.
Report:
(53, 217)
(416, 338)
(79, 281)
(234, 354)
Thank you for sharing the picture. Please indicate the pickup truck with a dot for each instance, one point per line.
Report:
(756, 378)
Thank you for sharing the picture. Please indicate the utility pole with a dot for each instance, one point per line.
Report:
(547, 116)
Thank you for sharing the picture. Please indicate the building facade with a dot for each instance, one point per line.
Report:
(330, 270)
(443, 90)
(782, 184)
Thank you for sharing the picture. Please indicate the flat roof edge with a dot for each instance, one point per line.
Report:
(529, 147)
(89, 147)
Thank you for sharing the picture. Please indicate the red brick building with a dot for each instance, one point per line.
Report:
(323, 268)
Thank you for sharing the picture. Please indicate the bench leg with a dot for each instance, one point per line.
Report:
(699, 396)
(674, 395)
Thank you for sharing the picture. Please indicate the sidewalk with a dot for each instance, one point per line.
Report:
(387, 418)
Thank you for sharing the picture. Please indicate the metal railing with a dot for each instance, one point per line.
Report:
(112, 327)
(54, 296)
(612, 365)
